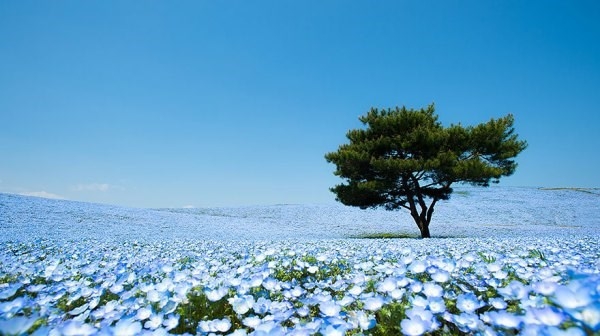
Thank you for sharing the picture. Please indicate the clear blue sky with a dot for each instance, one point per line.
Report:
(204, 103)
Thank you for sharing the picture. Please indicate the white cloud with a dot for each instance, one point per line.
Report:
(102, 187)
(188, 207)
(43, 194)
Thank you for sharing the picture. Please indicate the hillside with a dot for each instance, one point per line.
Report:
(472, 212)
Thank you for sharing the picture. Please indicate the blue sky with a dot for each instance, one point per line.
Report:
(214, 103)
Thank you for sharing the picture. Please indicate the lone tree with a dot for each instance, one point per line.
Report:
(406, 159)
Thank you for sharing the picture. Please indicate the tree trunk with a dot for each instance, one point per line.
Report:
(422, 218)
(423, 226)
(425, 230)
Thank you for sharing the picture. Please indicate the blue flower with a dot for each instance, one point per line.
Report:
(590, 315)
(572, 298)
(127, 327)
(329, 308)
(414, 326)
(432, 290)
(373, 303)
(20, 324)
(549, 316)
(515, 290)
(504, 319)
(468, 303)
(437, 305)
(466, 322)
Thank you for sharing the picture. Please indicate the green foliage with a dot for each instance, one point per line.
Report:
(107, 296)
(199, 308)
(404, 157)
(325, 270)
(8, 278)
(487, 257)
(37, 324)
(66, 305)
(537, 254)
(389, 317)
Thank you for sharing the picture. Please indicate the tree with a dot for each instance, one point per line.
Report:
(406, 159)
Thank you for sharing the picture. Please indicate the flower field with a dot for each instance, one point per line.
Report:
(541, 280)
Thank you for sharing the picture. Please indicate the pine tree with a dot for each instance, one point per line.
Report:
(406, 159)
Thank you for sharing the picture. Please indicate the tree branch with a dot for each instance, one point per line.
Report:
(430, 210)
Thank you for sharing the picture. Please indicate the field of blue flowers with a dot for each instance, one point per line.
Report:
(506, 261)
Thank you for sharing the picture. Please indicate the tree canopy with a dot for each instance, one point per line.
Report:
(406, 157)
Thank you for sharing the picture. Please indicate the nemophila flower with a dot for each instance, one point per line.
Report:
(466, 322)
(387, 285)
(544, 287)
(500, 275)
(13, 306)
(493, 267)
(127, 327)
(419, 301)
(154, 296)
(168, 307)
(319, 296)
(532, 330)
(261, 306)
(407, 259)
(241, 305)
(239, 332)
(440, 276)
(251, 321)
(329, 308)
(417, 267)
(181, 290)
(432, 290)
(18, 325)
(572, 298)
(355, 290)
(437, 305)
(549, 316)
(205, 327)
(10, 291)
(271, 284)
(222, 325)
(331, 330)
(414, 326)
(154, 321)
(297, 291)
(116, 289)
(78, 310)
(515, 290)
(216, 294)
(590, 315)
(503, 319)
(373, 303)
(31, 289)
(303, 311)
(359, 278)
(397, 293)
(143, 313)
(268, 328)
(313, 326)
(421, 312)
(468, 303)
(498, 303)
(555, 331)
(216, 325)
(359, 319)
(346, 300)
(416, 287)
